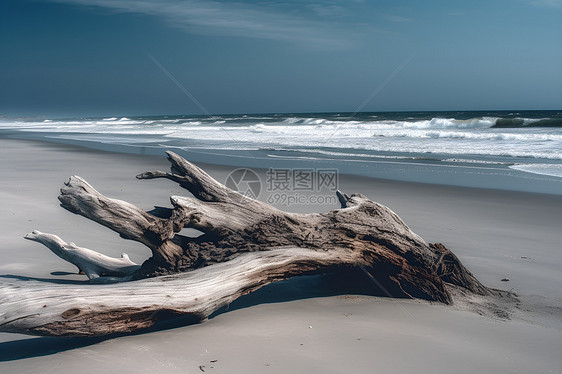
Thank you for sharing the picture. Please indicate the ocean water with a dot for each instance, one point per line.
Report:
(506, 150)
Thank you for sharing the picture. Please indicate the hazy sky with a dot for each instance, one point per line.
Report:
(127, 57)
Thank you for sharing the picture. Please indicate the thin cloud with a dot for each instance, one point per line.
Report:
(328, 10)
(397, 19)
(259, 21)
(548, 3)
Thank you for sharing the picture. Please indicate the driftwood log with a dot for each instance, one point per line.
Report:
(246, 244)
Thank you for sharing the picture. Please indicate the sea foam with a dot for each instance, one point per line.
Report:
(554, 170)
(415, 135)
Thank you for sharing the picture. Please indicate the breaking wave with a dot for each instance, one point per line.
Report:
(451, 135)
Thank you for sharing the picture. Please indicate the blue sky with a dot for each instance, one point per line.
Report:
(147, 57)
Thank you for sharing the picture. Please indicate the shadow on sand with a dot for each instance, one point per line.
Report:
(45, 280)
(298, 288)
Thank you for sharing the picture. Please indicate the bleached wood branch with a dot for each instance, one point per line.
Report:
(131, 222)
(92, 263)
(194, 179)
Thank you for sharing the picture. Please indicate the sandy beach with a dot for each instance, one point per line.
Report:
(303, 325)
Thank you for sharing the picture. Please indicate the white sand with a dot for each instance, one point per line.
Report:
(489, 230)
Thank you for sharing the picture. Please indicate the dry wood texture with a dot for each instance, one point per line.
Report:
(246, 244)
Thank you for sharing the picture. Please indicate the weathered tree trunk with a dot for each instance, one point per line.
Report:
(246, 244)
